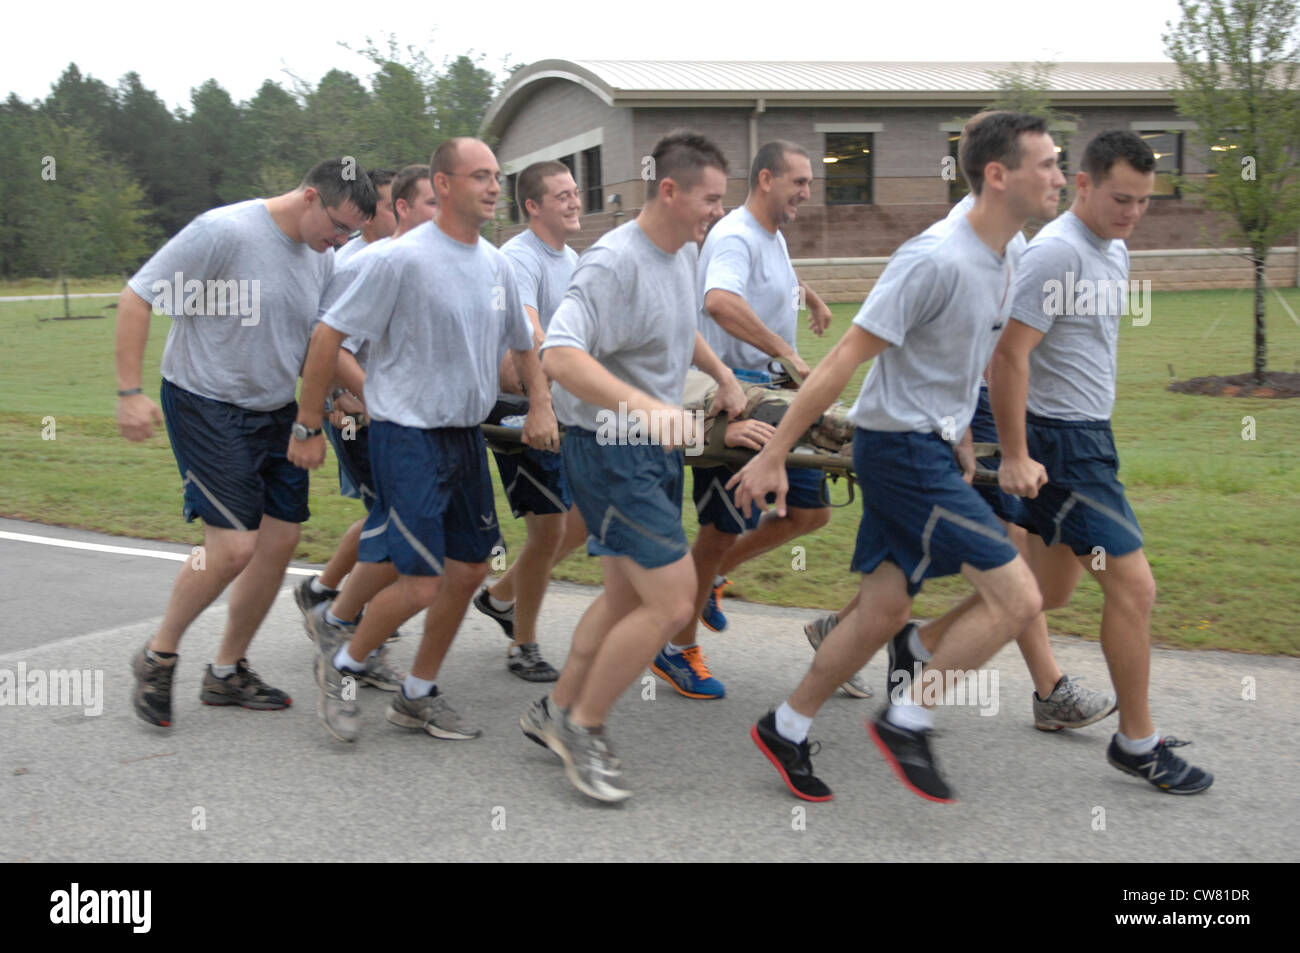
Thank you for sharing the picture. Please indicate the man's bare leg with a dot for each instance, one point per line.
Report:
(772, 531)
(255, 588)
(344, 558)
(1130, 593)
(203, 577)
(711, 545)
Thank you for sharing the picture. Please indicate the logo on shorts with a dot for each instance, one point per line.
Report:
(639, 428)
(214, 298)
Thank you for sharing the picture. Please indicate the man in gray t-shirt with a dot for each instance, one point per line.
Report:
(618, 348)
(439, 309)
(1057, 362)
(750, 299)
(534, 479)
(930, 322)
(413, 205)
(241, 285)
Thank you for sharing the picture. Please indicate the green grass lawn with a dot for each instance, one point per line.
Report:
(1221, 514)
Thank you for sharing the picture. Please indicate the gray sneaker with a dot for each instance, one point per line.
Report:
(589, 760)
(539, 721)
(431, 713)
(381, 673)
(530, 666)
(1072, 706)
(337, 702)
(816, 632)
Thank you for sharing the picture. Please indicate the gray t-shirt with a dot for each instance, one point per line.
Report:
(439, 316)
(1072, 286)
(354, 244)
(741, 256)
(541, 272)
(633, 308)
(942, 301)
(344, 275)
(1015, 247)
(243, 297)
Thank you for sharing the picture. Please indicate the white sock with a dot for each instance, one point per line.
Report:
(791, 725)
(718, 580)
(414, 688)
(345, 663)
(1137, 745)
(907, 714)
(332, 619)
(916, 648)
(223, 671)
(317, 588)
(670, 649)
(498, 604)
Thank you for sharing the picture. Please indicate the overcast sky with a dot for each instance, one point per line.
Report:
(176, 47)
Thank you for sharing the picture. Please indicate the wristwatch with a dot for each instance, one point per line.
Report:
(302, 433)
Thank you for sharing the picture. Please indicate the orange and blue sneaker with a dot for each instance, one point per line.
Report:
(711, 615)
(687, 673)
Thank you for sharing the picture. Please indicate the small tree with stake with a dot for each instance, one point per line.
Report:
(1238, 69)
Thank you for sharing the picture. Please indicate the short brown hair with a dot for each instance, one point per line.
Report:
(994, 137)
(531, 184)
(406, 184)
(682, 156)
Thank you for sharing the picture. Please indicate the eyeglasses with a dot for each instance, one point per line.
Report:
(338, 226)
(482, 177)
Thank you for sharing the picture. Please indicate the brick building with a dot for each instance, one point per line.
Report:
(882, 137)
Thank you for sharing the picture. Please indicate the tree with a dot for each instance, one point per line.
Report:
(461, 95)
(1238, 65)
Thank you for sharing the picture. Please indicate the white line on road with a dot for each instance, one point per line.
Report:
(119, 550)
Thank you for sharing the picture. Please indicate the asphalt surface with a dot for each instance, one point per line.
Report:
(228, 784)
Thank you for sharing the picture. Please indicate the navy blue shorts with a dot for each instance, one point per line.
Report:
(1009, 509)
(629, 496)
(233, 461)
(355, 481)
(715, 505)
(534, 482)
(433, 499)
(918, 513)
(1083, 503)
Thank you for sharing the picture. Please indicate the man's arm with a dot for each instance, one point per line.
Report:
(541, 431)
(766, 472)
(511, 382)
(317, 374)
(136, 414)
(730, 396)
(737, 318)
(1008, 389)
(819, 312)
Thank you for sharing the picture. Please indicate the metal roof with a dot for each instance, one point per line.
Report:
(689, 82)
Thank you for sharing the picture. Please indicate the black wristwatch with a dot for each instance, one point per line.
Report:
(302, 433)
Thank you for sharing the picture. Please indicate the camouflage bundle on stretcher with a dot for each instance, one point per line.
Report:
(826, 445)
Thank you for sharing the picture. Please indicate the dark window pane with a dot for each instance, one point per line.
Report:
(512, 181)
(847, 166)
(592, 183)
(1168, 148)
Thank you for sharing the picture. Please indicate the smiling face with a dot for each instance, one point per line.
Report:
(1114, 206)
(560, 211)
(694, 209)
(789, 190)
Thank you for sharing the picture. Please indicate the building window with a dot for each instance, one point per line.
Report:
(592, 183)
(1168, 148)
(958, 186)
(512, 181)
(847, 166)
(572, 162)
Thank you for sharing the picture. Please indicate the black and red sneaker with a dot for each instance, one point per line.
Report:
(908, 753)
(793, 761)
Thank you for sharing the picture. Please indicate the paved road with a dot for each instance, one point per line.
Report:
(273, 786)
